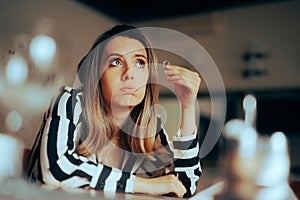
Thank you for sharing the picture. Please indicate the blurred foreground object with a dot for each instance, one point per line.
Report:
(257, 167)
(11, 156)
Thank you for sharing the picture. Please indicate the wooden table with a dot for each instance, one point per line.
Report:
(19, 189)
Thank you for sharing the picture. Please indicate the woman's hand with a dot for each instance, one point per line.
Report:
(186, 83)
(159, 185)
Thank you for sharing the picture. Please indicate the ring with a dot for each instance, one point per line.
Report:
(166, 62)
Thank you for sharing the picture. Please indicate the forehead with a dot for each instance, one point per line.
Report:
(124, 45)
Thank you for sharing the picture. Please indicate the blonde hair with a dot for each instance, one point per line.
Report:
(138, 133)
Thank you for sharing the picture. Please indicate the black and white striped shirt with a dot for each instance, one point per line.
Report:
(54, 160)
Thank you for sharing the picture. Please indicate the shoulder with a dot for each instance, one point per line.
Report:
(67, 103)
(67, 97)
(69, 92)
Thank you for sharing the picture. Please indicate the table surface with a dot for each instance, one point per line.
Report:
(210, 184)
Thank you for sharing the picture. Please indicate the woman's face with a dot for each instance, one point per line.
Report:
(126, 72)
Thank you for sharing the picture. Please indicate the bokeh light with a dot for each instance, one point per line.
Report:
(16, 70)
(42, 50)
(13, 121)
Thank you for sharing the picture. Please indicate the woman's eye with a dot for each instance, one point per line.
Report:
(116, 62)
(140, 64)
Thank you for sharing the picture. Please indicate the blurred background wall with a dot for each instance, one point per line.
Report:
(271, 29)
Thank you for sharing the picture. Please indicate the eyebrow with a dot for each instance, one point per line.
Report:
(120, 55)
(140, 55)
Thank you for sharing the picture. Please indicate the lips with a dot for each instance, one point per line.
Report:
(127, 90)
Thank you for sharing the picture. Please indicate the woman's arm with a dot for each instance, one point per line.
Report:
(184, 153)
(185, 144)
(55, 161)
(187, 161)
(186, 84)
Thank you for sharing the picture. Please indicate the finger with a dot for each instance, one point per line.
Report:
(175, 75)
(187, 82)
(190, 79)
(180, 69)
(183, 77)
(184, 73)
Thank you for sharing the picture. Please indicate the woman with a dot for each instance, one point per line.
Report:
(106, 134)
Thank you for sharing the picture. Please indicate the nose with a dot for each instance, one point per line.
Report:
(128, 73)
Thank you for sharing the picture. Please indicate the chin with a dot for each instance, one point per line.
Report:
(128, 102)
(131, 104)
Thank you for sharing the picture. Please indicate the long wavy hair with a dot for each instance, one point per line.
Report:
(98, 127)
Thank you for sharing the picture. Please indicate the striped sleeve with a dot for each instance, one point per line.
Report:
(60, 165)
(187, 161)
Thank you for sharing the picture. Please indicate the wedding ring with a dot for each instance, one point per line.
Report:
(165, 63)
